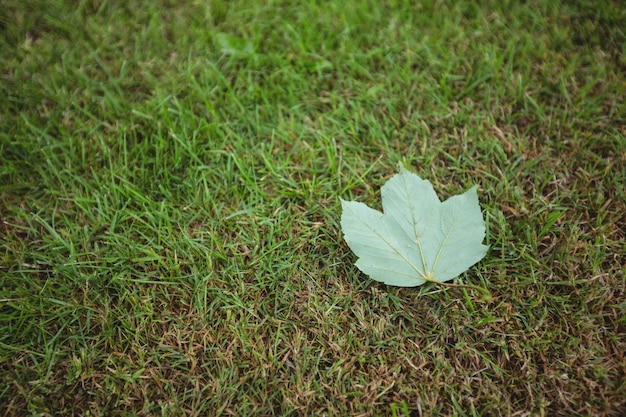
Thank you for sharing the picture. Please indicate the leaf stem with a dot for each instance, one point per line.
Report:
(485, 292)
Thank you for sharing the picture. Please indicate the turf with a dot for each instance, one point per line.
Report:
(170, 187)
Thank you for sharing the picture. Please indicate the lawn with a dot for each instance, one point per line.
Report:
(171, 176)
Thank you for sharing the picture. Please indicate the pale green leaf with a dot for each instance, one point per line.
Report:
(231, 45)
(418, 238)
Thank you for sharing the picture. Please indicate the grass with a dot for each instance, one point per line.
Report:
(170, 182)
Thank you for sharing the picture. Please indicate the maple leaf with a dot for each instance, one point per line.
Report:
(418, 239)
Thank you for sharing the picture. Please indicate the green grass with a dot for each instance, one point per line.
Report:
(170, 184)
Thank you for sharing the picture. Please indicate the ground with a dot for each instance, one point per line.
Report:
(170, 188)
